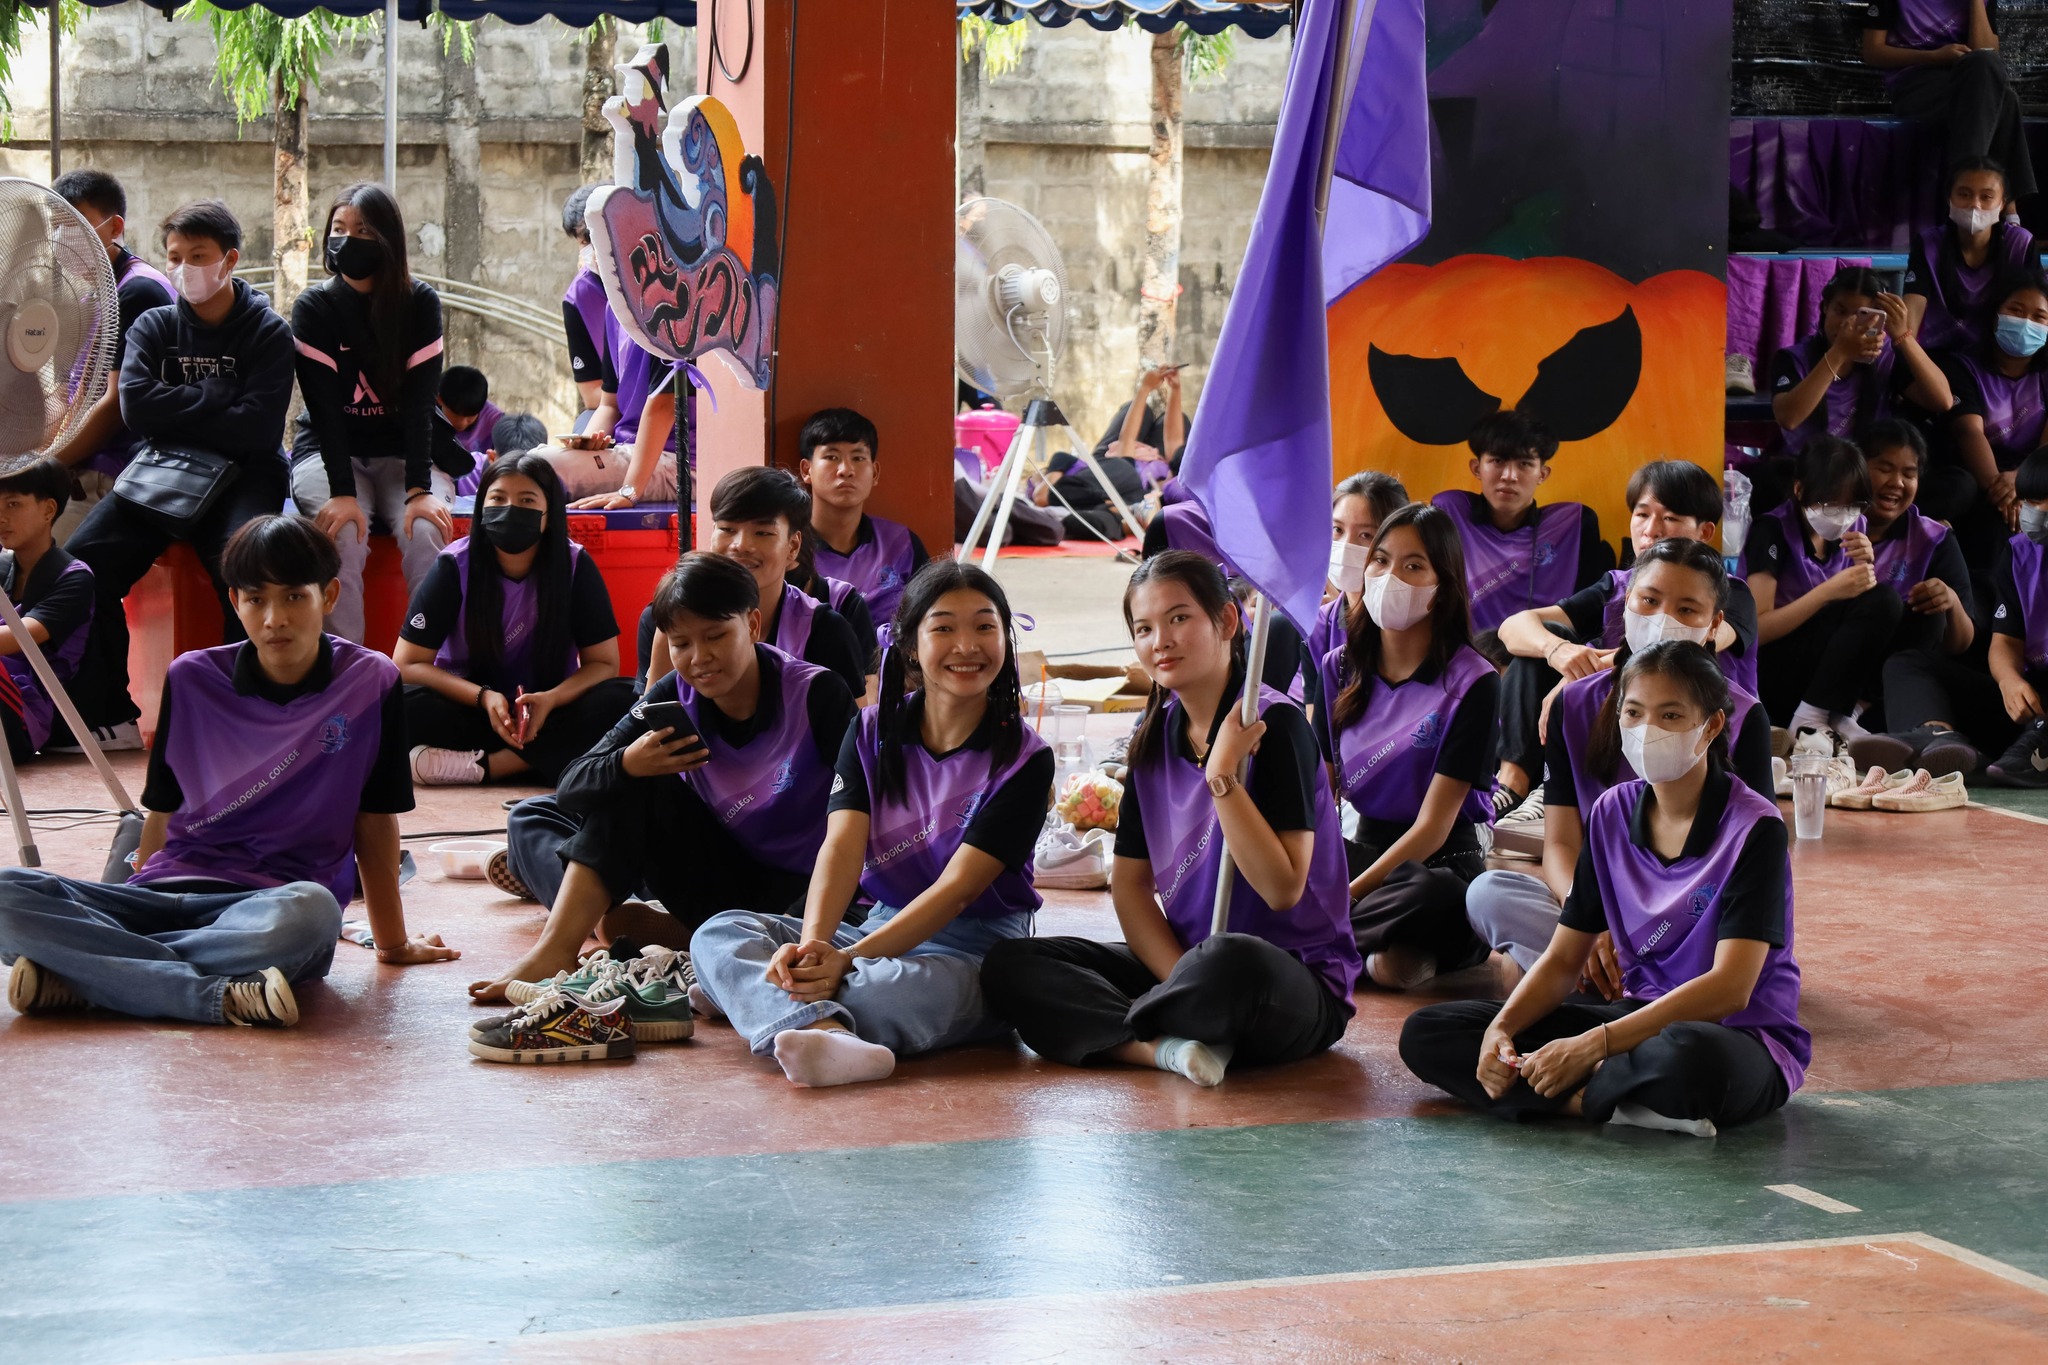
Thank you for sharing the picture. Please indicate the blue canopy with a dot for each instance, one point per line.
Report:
(575, 13)
(1259, 18)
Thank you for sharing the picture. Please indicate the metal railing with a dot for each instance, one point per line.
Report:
(463, 297)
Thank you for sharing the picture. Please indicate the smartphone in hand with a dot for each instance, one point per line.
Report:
(670, 715)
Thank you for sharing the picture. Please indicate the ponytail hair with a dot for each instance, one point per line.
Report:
(1205, 583)
(895, 718)
(1694, 669)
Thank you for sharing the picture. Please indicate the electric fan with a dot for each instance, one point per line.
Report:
(1009, 331)
(59, 307)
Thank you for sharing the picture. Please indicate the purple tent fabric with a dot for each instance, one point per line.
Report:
(1259, 460)
(1773, 301)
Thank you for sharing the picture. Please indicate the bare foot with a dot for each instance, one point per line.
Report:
(537, 965)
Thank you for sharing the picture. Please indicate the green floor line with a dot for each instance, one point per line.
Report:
(617, 1243)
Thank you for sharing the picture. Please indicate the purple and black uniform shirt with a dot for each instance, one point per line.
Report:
(1556, 550)
(884, 557)
(58, 592)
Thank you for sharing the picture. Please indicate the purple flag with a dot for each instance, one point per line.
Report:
(1259, 459)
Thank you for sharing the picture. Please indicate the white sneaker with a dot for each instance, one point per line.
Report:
(112, 739)
(1822, 740)
(1068, 860)
(1781, 778)
(1519, 833)
(1741, 374)
(1923, 794)
(433, 767)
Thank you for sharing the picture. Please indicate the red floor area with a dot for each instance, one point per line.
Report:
(1905, 927)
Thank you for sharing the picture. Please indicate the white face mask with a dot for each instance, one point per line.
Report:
(198, 283)
(1662, 755)
(1972, 221)
(1831, 523)
(1394, 603)
(1347, 564)
(1643, 631)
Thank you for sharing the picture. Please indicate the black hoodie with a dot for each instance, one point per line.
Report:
(224, 388)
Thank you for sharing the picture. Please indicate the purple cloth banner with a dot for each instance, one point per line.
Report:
(1259, 460)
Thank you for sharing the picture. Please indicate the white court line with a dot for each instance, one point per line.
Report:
(1086, 1299)
(1813, 1197)
(2001, 810)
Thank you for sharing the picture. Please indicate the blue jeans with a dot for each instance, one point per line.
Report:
(159, 954)
(927, 999)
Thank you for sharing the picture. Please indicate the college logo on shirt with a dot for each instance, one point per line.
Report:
(1999, 615)
(419, 622)
(1431, 730)
(785, 776)
(1546, 555)
(1702, 899)
(334, 734)
(838, 783)
(972, 808)
(891, 578)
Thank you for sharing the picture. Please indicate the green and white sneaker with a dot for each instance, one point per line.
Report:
(576, 980)
(657, 1001)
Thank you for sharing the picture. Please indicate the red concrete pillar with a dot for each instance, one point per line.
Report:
(850, 104)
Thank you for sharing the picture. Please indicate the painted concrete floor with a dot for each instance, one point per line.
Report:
(361, 1188)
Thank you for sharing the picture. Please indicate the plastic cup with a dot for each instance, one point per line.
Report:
(1809, 797)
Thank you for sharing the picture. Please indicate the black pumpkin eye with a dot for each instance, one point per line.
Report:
(1582, 387)
(1428, 399)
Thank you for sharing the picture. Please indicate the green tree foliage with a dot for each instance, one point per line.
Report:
(1000, 46)
(16, 21)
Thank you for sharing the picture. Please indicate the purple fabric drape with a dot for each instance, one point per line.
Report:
(1773, 301)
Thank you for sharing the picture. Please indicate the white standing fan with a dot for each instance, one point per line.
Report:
(1009, 331)
(59, 306)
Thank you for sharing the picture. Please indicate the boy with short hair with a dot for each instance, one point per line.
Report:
(101, 447)
(464, 403)
(54, 594)
(276, 781)
(1518, 555)
(839, 451)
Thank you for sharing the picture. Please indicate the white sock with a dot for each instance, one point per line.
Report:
(1809, 717)
(1848, 729)
(1636, 1116)
(1202, 1063)
(819, 1057)
(704, 1004)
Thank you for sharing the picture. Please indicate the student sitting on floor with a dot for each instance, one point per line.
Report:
(1825, 622)
(1276, 986)
(1185, 526)
(1357, 507)
(1955, 266)
(1679, 589)
(760, 517)
(1519, 555)
(1579, 636)
(464, 403)
(718, 806)
(1855, 369)
(2000, 417)
(1688, 870)
(54, 594)
(840, 462)
(1944, 711)
(1409, 714)
(275, 785)
(936, 806)
(509, 650)
(1915, 556)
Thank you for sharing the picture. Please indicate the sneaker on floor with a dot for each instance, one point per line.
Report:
(499, 873)
(2025, 764)
(1874, 783)
(1820, 740)
(1067, 859)
(433, 767)
(576, 979)
(1924, 793)
(657, 998)
(1519, 833)
(1781, 778)
(112, 739)
(1399, 971)
(261, 1001)
(1505, 799)
(559, 1027)
(1741, 374)
(1781, 742)
(1893, 751)
(36, 990)
(1948, 752)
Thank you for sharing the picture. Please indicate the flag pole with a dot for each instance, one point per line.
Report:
(1262, 609)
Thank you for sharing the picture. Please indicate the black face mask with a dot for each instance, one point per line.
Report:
(515, 530)
(355, 258)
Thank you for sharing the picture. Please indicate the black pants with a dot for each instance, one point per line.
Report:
(1074, 999)
(1949, 493)
(1520, 711)
(1091, 523)
(119, 546)
(435, 720)
(1976, 100)
(1923, 685)
(1689, 1071)
(1835, 660)
(1420, 907)
(656, 839)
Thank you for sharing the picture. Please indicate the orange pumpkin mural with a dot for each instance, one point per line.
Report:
(1624, 373)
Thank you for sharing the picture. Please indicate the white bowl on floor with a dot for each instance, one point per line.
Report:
(466, 859)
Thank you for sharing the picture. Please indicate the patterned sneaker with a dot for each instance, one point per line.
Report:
(36, 990)
(499, 873)
(2025, 764)
(261, 1001)
(559, 1027)
(653, 985)
(433, 767)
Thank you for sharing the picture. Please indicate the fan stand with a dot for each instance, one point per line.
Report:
(1042, 416)
(16, 810)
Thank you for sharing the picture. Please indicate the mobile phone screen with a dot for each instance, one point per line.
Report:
(669, 715)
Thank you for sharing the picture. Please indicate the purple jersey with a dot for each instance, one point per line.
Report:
(793, 620)
(1801, 572)
(1577, 709)
(520, 599)
(769, 792)
(2015, 411)
(1386, 758)
(913, 834)
(1665, 918)
(1924, 25)
(883, 559)
(2030, 581)
(271, 791)
(1184, 844)
(30, 700)
(1328, 633)
(477, 441)
(1958, 295)
(1904, 556)
(1863, 396)
(1511, 571)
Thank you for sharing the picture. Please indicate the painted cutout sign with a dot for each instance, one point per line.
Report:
(685, 239)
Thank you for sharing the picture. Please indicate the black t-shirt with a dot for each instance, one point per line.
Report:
(833, 644)
(61, 601)
(2009, 617)
(1768, 552)
(1289, 763)
(855, 612)
(1753, 901)
(586, 357)
(432, 615)
(1007, 825)
(1586, 609)
(386, 791)
(1082, 490)
(1469, 753)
